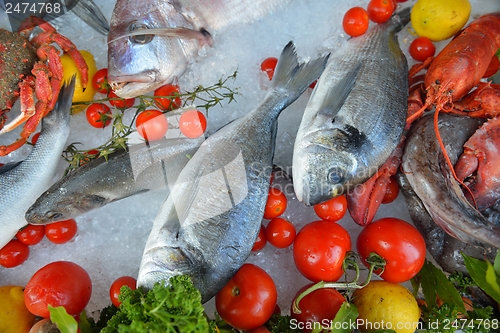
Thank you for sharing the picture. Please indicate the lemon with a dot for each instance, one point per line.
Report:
(14, 316)
(70, 69)
(439, 19)
(385, 305)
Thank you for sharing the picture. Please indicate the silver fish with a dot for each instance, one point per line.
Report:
(150, 43)
(22, 184)
(208, 224)
(355, 116)
(430, 177)
(126, 173)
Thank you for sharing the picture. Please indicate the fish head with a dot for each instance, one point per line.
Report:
(138, 64)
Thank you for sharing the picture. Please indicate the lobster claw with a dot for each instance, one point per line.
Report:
(365, 199)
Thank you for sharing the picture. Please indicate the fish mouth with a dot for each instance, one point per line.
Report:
(130, 86)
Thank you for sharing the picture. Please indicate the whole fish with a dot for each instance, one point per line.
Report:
(22, 184)
(126, 173)
(430, 177)
(150, 43)
(355, 116)
(208, 224)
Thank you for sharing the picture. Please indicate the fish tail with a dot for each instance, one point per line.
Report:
(60, 116)
(293, 77)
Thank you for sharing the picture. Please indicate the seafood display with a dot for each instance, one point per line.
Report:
(23, 183)
(351, 125)
(207, 226)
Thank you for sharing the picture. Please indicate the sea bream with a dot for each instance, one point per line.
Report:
(150, 43)
(355, 116)
(21, 184)
(208, 224)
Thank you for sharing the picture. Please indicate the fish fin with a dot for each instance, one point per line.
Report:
(202, 35)
(90, 13)
(337, 95)
(294, 77)
(9, 166)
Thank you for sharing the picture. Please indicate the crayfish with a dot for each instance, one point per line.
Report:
(32, 68)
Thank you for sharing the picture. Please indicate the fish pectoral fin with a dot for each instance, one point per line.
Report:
(91, 201)
(337, 95)
(202, 35)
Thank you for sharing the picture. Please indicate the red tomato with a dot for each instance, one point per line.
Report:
(321, 304)
(391, 192)
(398, 242)
(380, 11)
(61, 232)
(13, 254)
(98, 115)
(118, 102)
(268, 66)
(172, 100)
(114, 290)
(100, 81)
(280, 233)
(193, 123)
(260, 329)
(422, 48)
(35, 137)
(59, 283)
(333, 209)
(356, 21)
(261, 240)
(31, 234)
(276, 203)
(248, 300)
(492, 67)
(151, 124)
(319, 250)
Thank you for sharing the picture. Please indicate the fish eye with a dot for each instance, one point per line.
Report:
(53, 215)
(335, 175)
(140, 39)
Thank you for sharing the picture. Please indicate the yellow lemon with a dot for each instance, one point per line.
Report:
(439, 19)
(385, 305)
(70, 69)
(14, 316)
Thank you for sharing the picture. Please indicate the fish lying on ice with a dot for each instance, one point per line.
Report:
(430, 177)
(150, 43)
(22, 184)
(208, 224)
(124, 173)
(355, 116)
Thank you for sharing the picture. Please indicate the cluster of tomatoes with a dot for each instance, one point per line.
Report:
(15, 252)
(151, 124)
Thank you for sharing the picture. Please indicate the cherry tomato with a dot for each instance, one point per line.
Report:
(31, 234)
(35, 137)
(98, 115)
(322, 304)
(276, 203)
(61, 232)
(248, 300)
(151, 124)
(261, 240)
(100, 81)
(13, 254)
(268, 66)
(60, 283)
(492, 67)
(319, 250)
(172, 101)
(422, 48)
(398, 242)
(356, 21)
(280, 233)
(333, 209)
(120, 103)
(193, 123)
(380, 11)
(391, 192)
(114, 290)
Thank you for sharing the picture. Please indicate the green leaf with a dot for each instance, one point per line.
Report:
(483, 273)
(65, 322)
(345, 319)
(496, 264)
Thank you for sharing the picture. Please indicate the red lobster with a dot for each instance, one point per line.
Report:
(447, 86)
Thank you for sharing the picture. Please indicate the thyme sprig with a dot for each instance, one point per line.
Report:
(201, 97)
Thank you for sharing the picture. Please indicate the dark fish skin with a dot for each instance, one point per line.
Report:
(100, 181)
(430, 177)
